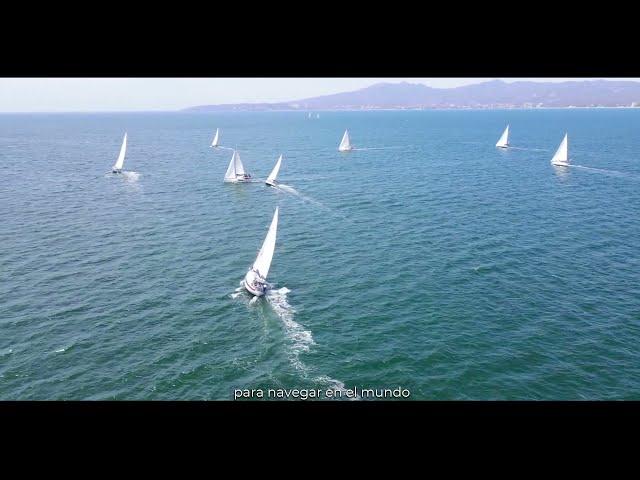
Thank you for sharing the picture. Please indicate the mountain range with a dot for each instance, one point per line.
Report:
(492, 94)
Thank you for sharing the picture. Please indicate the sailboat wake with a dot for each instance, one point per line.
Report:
(131, 176)
(289, 189)
(300, 339)
(529, 149)
(612, 173)
(293, 191)
(379, 148)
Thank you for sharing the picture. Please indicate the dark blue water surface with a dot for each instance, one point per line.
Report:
(437, 263)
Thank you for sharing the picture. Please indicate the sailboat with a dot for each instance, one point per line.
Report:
(235, 170)
(504, 139)
(561, 156)
(317, 115)
(117, 167)
(255, 281)
(271, 179)
(215, 139)
(309, 114)
(345, 144)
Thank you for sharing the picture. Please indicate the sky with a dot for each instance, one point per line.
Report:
(158, 94)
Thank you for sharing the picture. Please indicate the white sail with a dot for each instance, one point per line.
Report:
(230, 176)
(265, 255)
(317, 115)
(238, 164)
(215, 138)
(309, 114)
(561, 156)
(345, 144)
(504, 139)
(123, 151)
(274, 173)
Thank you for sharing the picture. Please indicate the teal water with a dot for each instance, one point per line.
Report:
(439, 263)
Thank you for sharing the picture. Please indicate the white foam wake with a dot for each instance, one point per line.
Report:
(529, 149)
(379, 148)
(612, 173)
(300, 339)
(290, 189)
(131, 176)
(238, 291)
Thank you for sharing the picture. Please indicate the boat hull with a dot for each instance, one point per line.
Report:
(253, 291)
(558, 164)
(271, 184)
(503, 146)
(116, 171)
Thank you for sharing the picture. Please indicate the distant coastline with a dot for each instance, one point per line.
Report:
(491, 95)
(189, 110)
(329, 110)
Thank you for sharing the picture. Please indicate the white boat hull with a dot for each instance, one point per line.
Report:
(561, 164)
(271, 184)
(345, 149)
(503, 146)
(238, 180)
(254, 291)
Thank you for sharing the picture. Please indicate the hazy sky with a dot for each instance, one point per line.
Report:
(130, 94)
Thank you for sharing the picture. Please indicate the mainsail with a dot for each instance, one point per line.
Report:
(274, 173)
(123, 150)
(265, 255)
(238, 164)
(230, 176)
(215, 138)
(504, 139)
(345, 144)
(561, 156)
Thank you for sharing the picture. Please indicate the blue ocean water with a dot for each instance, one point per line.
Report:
(425, 259)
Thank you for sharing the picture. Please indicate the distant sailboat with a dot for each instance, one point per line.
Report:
(317, 115)
(309, 114)
(271, 179)
(117, 167)
(561, 156)
(504, 139)
(235, 170)
(345, 144)
(215, 138)
(255, 281)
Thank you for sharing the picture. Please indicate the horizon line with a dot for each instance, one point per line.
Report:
(306, 110)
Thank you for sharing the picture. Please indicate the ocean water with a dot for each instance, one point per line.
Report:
(425, 259)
